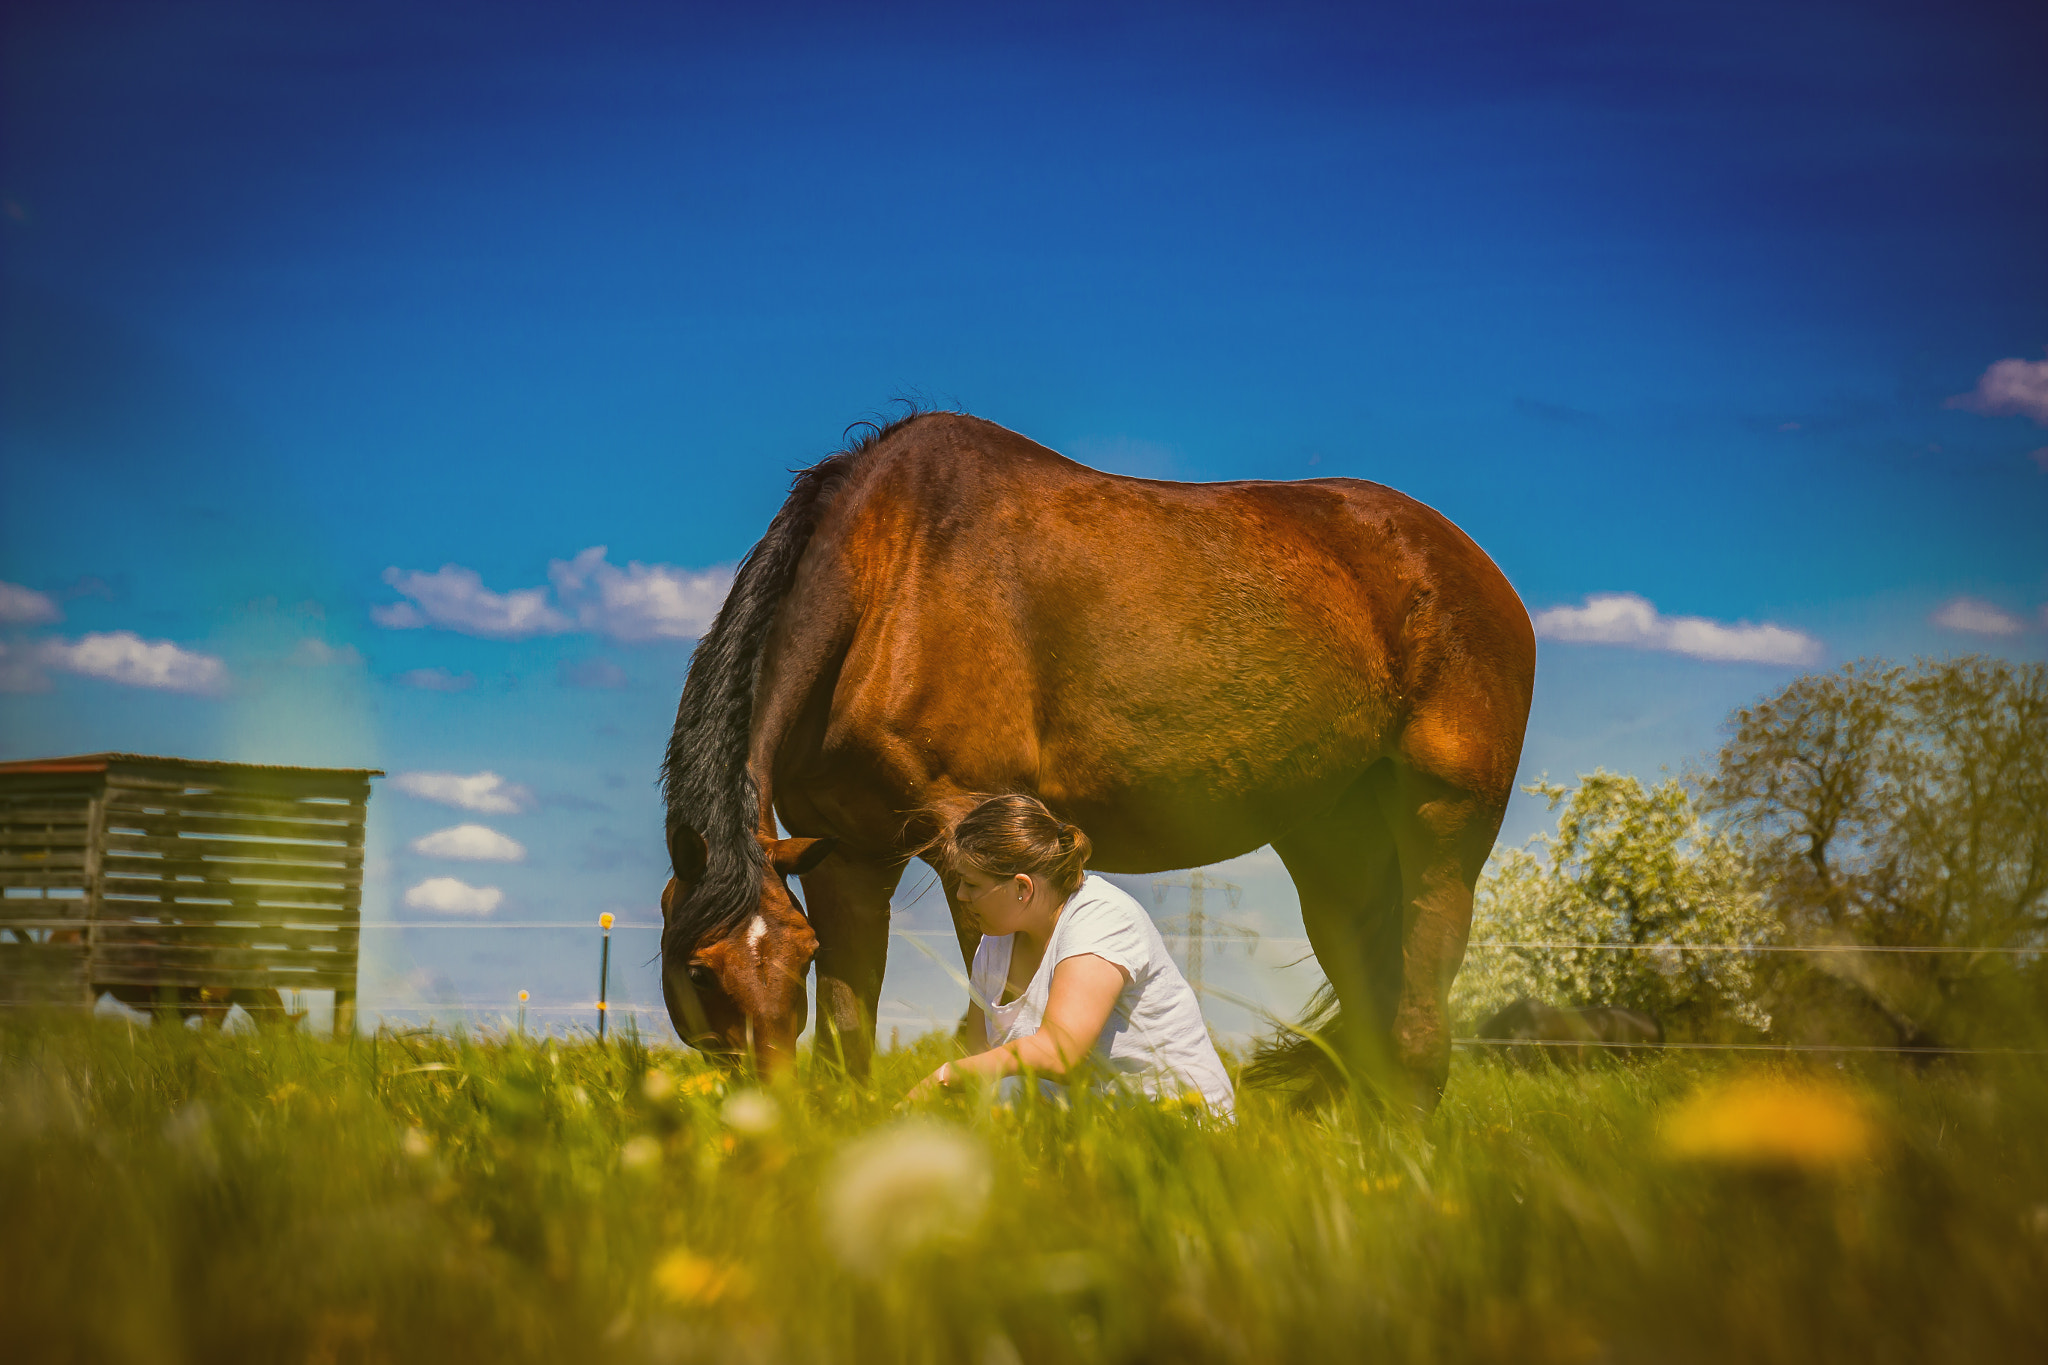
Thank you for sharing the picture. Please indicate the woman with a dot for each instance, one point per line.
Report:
(1071, 980)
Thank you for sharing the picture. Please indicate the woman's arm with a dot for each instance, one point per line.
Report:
(974, 1028)
(1084, 991)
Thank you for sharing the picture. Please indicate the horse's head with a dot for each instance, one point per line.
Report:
(739, 991)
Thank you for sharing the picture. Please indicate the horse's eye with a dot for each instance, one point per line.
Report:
(702, 977)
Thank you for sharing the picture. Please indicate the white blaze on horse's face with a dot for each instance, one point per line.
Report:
(741, 992)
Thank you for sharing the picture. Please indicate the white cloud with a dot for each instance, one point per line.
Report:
(471, 843)
(21, 606)
(641, 601)
(2009, 388)
(436, 680)
(453, 896)
(122, 656)
(313, 652)
(1975, 616)
(455, 598)
(484, 791)
(1624, 618)
(398, 616)
(592, 673)
(637, 603)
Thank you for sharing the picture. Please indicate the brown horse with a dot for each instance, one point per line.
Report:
(208, 1004)
(1569, 1037)
(1187, 671)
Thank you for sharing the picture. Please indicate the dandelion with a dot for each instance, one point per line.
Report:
(905, 1188)
(751, 1113)
(1768, 1121)
(703, 1083)
(642, 1153)
(683, 1277)
(658, 1085)
(417, 1144)
(190, 1133)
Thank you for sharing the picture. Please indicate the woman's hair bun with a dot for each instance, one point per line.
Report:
(1011, 834)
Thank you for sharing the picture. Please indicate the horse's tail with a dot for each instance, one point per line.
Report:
(1302, 1058)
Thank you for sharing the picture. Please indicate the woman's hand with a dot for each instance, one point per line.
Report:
(931, 1085)
(1084, 991)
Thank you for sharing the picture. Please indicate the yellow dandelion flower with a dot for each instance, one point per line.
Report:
(1771, 1121)
(683, 1277)
(703, 1083)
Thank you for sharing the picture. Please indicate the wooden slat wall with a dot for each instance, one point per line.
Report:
(232, 878)
(46, 832)
(252, 884)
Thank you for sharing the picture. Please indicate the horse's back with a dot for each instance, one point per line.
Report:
(960, 506)
(1279, 614)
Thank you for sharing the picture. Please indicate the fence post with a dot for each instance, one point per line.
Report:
(604, 971)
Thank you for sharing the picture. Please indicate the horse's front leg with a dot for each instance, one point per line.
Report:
(848, 902)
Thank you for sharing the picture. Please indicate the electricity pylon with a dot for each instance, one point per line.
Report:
(1199, 926)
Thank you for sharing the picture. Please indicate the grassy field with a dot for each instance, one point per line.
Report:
(172, 1196)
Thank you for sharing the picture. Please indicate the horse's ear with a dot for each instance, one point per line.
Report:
(688, 854)
(794, 857)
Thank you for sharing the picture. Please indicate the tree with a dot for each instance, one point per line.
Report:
(1627, 865)
(1901, 808)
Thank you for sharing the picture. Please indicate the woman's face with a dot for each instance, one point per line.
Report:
(997, 905)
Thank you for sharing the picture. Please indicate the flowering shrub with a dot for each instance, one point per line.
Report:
(1628, 865)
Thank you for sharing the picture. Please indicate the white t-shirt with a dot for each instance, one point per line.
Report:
(1155, 1040)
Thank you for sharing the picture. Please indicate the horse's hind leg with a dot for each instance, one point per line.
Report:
(1345, 871)
(1442, 834)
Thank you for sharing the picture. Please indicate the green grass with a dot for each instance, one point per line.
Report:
(172, 1196)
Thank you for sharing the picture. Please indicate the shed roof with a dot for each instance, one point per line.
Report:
(99, 763)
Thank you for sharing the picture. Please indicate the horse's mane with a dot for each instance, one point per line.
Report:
(705, 776)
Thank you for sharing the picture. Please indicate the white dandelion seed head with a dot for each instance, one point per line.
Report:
(642, 1153)
(751, 1113)
(904, 1188)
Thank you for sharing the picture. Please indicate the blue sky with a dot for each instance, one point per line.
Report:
(1699, 304)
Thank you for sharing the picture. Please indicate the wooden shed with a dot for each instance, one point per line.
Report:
(157, 878)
